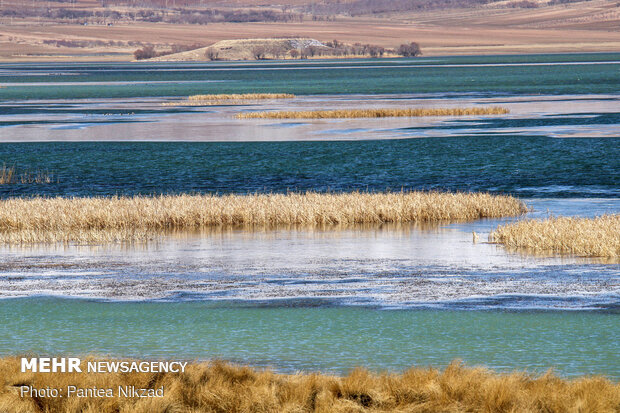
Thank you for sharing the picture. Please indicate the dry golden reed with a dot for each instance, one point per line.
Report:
(235, 96)
(8, 175)
(373, 113)
(104, 219)
(588, 237)
(227, 99)
(220, 387)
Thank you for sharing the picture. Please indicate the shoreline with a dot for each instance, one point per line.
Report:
(430, 52)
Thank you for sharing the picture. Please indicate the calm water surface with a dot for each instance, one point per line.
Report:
(533, 167)
(303, 337)
(523, 74)
(382, 297)
(377, 266)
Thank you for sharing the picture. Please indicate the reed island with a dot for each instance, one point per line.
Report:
(99, 219)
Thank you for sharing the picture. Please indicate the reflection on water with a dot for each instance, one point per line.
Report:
(324, 298)
(146, 119)
(389, 266)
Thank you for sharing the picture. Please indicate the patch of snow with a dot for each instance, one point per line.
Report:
(303, 43)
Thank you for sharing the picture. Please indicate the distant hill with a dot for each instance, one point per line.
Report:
(283, 48)
(244, 49)
(114, 30)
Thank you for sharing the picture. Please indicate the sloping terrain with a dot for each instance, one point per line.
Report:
(114, 29)
(243, 49)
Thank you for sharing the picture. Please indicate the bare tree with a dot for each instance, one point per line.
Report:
(276, 50)
(409, 50)
(294, 53)
(146, 52)
(211, 53)
(313, 50)
(375, 51)
(258, 52)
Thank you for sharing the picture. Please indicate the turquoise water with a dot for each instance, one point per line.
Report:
(381, 297)
(295, 337)
(525, 74)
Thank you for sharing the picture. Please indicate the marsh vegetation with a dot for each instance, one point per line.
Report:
(221, 387)
(95, 219)
(374, 113)
(228, 99)
(10, 175)
(591, 237)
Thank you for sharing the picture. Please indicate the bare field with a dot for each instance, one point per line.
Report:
(576, 27)
(221, 387)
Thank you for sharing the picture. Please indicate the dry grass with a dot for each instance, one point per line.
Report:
(134, 218)
(591, 237)
(8, 175)
(249, 96)
(227, 99)
(220, 387)
(373, 113)
(204, 102)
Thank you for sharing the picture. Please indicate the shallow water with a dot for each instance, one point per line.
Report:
(146, 119)
(384, 297)
(381, 267)
(519, 74)
(298, 336)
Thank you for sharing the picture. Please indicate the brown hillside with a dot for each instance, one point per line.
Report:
(86, 30)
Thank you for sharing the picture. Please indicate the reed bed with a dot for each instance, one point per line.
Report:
(221, 387)
(209, 102)
(588, 237)
(8, 175)
(250, 96)
(134, 218)
(373, 113)
(227, 99)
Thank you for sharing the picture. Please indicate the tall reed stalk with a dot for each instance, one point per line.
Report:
(8, 175)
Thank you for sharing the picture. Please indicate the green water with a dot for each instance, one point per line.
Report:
(298, 325)
(523, 74)
(326, 339)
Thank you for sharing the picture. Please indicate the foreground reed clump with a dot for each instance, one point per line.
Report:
(221, 387)
(223, 99)
(591, 237)
(373, 113)
(117, 218)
